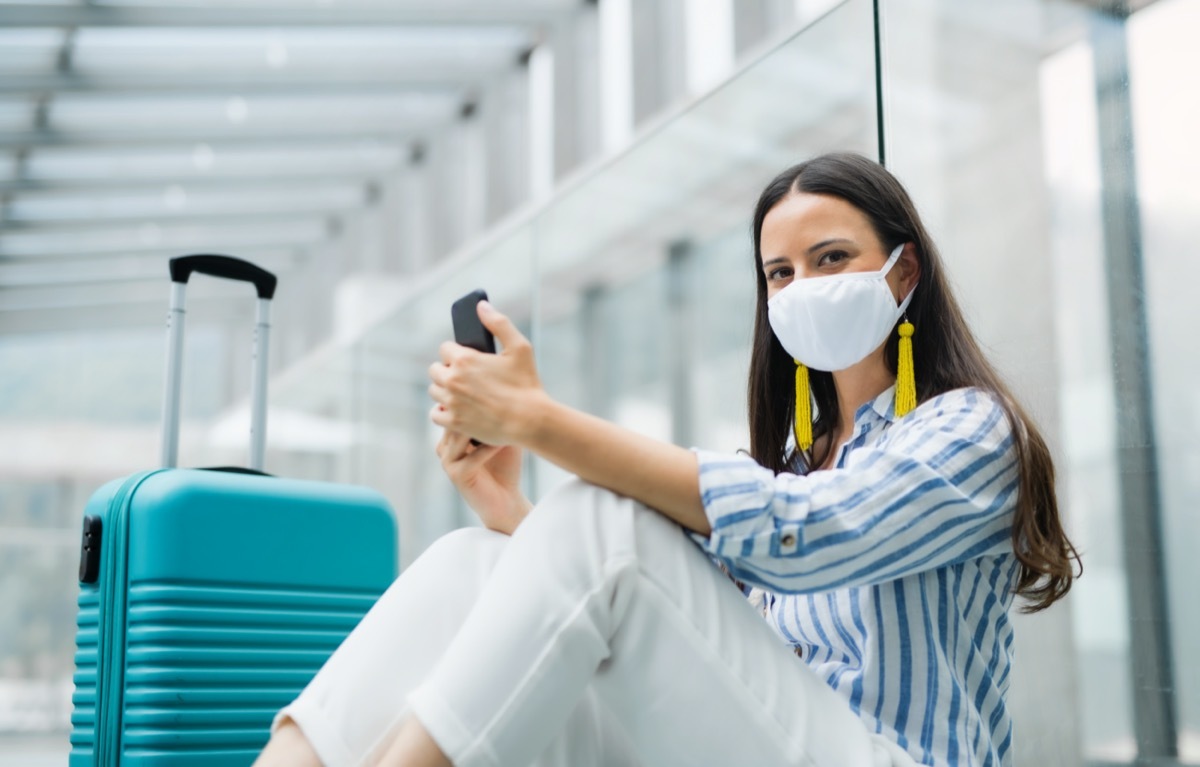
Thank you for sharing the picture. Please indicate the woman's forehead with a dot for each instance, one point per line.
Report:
(802, 219)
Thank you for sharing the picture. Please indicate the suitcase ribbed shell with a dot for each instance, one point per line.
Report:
(238, 590)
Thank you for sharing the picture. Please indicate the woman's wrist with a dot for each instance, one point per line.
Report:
(532, 416)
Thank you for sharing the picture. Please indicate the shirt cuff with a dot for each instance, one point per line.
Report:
(733, 489)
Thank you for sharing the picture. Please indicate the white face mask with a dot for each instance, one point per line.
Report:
(830, 323)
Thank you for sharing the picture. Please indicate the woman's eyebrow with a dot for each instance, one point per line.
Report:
(813, 249)
(824, 243)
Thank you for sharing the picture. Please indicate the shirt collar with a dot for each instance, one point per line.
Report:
(884, 406)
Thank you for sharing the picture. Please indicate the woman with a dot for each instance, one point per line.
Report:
(885, 522)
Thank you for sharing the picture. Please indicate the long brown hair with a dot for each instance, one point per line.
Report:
(945, 353)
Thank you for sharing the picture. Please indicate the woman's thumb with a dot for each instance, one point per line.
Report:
(502, 327)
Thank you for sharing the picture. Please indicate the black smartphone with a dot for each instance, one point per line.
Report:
(468, 330)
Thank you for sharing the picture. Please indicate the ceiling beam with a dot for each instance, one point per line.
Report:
(188, 180)
(159, 217)
(33, 272)
(265, 251)
(168, 240)
(436, 77)
(421, 12)
(17, 141)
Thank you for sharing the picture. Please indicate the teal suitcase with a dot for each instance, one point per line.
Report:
(209, 598)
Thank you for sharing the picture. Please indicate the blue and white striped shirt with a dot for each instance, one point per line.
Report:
(893, 572)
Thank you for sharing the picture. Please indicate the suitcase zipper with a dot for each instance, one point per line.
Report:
(110, 662)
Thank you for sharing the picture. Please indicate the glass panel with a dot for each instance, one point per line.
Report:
(617, 305)
(37, 624)
(1100, 606)
(593, 268)
(984, 105)
(71, 378)
(962, 94)
(1163, 62)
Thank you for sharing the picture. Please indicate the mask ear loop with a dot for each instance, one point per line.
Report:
(906, 382)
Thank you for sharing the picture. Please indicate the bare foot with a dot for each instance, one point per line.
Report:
(414, 747)
(288, 748)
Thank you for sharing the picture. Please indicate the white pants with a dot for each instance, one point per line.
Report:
(598, 634)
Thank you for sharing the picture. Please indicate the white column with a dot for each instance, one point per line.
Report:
(471, 174)
(710, 43)
(616, 73)
(541, 122)
(414, 218)
(504, 111)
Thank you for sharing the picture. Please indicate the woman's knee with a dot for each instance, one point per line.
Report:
(577, 514)
(457, 550)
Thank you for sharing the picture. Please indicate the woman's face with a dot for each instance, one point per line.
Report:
(814, 235)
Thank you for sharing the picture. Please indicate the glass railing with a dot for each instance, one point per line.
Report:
(590, 276)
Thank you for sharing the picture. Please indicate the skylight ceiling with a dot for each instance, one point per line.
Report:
(133, 131)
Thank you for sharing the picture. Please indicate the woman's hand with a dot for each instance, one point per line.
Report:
(488, 477)
(498, 400)
(495, 398)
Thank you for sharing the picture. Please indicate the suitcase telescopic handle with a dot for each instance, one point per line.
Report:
(230, 268)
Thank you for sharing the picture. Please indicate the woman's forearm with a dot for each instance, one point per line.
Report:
(661, 475)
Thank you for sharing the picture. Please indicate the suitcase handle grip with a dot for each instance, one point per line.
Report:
(224, 266)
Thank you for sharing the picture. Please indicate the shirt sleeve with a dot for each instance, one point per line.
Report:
(939, 487)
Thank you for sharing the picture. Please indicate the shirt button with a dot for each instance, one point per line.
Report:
(788, 540)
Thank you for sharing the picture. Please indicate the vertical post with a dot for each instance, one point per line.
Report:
(1149, 630)
(258, 385)
(680, 341)
(174, 384)
(596, 369)
(879, 124)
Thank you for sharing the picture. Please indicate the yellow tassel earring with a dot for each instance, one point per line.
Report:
(803, 422)
(906, 382)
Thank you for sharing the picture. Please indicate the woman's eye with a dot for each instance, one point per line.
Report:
(832, 257)
(780, 273)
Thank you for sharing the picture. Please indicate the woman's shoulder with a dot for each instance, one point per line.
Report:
(968, 410)
(973, 399)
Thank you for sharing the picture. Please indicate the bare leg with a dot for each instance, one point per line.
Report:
(289, 747)
(413, 747)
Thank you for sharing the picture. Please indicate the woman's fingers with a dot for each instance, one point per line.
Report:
(450, 351)
(457, 446)
(438, 371)
(478, 455)
(440, 416)
(438, 394)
